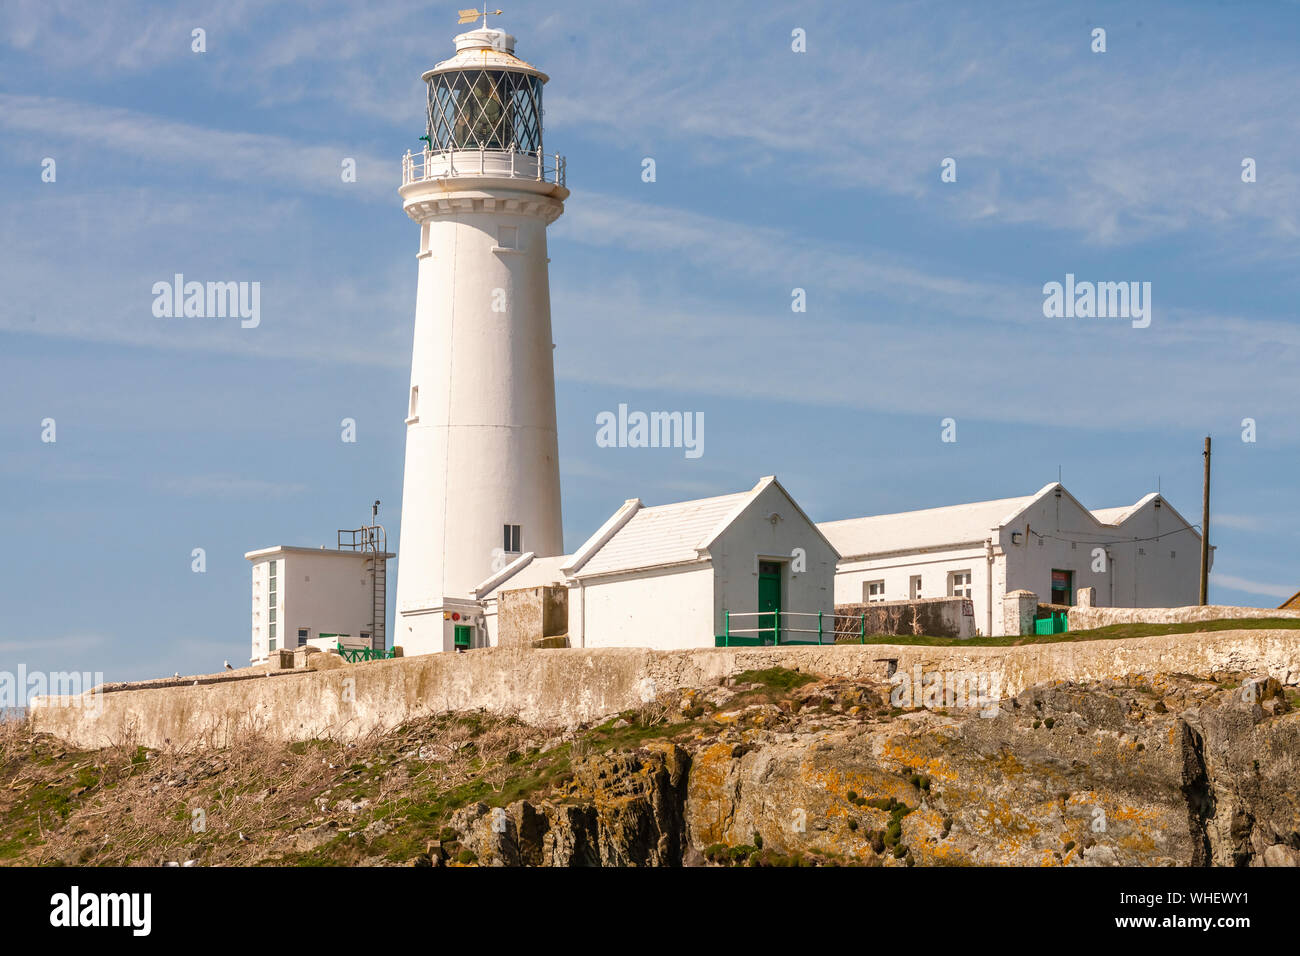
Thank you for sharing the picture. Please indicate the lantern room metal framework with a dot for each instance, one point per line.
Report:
(484, 116)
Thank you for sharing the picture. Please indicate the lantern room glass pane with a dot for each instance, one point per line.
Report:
(485, 109)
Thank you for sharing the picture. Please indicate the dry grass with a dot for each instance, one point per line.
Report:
(249, 802)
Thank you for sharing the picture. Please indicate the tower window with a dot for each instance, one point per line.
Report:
(512, 539)
(415, 403)
(508, 237)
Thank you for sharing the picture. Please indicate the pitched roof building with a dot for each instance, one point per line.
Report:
(1140, 555)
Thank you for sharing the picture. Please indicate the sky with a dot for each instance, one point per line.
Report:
(775, 169)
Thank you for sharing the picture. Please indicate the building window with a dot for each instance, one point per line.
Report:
(270, 569)
(272, 617)
(873, 591)
(272, 637)
(914, 587)
(513, 543)
(508, 237)
(415, 404)
(303, 634)
(959, 584)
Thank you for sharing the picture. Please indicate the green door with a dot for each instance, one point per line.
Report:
(769, 599)
(464, 636)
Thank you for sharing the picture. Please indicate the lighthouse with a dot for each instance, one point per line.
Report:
(482, 479)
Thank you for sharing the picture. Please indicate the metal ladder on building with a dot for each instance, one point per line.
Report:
(379, 604)
(373, 539)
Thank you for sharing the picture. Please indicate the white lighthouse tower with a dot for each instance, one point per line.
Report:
(482, 480)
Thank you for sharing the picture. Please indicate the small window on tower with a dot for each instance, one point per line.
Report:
(424, 238)
(415, 404)
(508, 237)
(512, 542)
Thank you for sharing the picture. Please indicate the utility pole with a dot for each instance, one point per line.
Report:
(1205, 527)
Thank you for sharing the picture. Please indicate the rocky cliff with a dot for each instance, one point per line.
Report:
(774, 767)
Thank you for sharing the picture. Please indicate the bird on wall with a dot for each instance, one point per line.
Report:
(228, 667)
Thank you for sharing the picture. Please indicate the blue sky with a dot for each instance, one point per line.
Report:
(775, 170)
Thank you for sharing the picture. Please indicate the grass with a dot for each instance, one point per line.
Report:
(775, 678)
(1113, 632)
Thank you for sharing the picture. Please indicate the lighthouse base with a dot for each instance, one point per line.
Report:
(457, 624)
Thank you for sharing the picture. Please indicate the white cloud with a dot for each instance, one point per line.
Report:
(1235, 583)
(170, 148)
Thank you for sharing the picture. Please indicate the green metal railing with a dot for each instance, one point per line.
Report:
(743, 637)
(769, 628)
(354, 655)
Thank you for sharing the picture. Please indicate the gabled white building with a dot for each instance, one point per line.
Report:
(1143, 555)
(675, 576)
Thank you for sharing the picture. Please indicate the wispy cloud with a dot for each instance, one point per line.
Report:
(1044, 131)
(1251, 587)
(171, 149)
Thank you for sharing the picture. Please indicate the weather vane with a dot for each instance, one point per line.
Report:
(469, 16)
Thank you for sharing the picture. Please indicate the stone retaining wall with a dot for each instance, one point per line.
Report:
(569, 686)
(1086, 618)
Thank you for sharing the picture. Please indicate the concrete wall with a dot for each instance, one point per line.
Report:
(526, 615)
(937, 617)
(1086, 618)
(564, 687)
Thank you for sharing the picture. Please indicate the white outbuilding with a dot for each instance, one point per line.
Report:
(690, 574)
(325, 597)
(1142, 555)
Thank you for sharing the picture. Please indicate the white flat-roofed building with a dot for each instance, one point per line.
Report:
(302, 594)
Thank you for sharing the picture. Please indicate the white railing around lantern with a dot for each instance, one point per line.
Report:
(496, 163)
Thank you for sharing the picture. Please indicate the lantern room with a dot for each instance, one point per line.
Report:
(484, 97)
